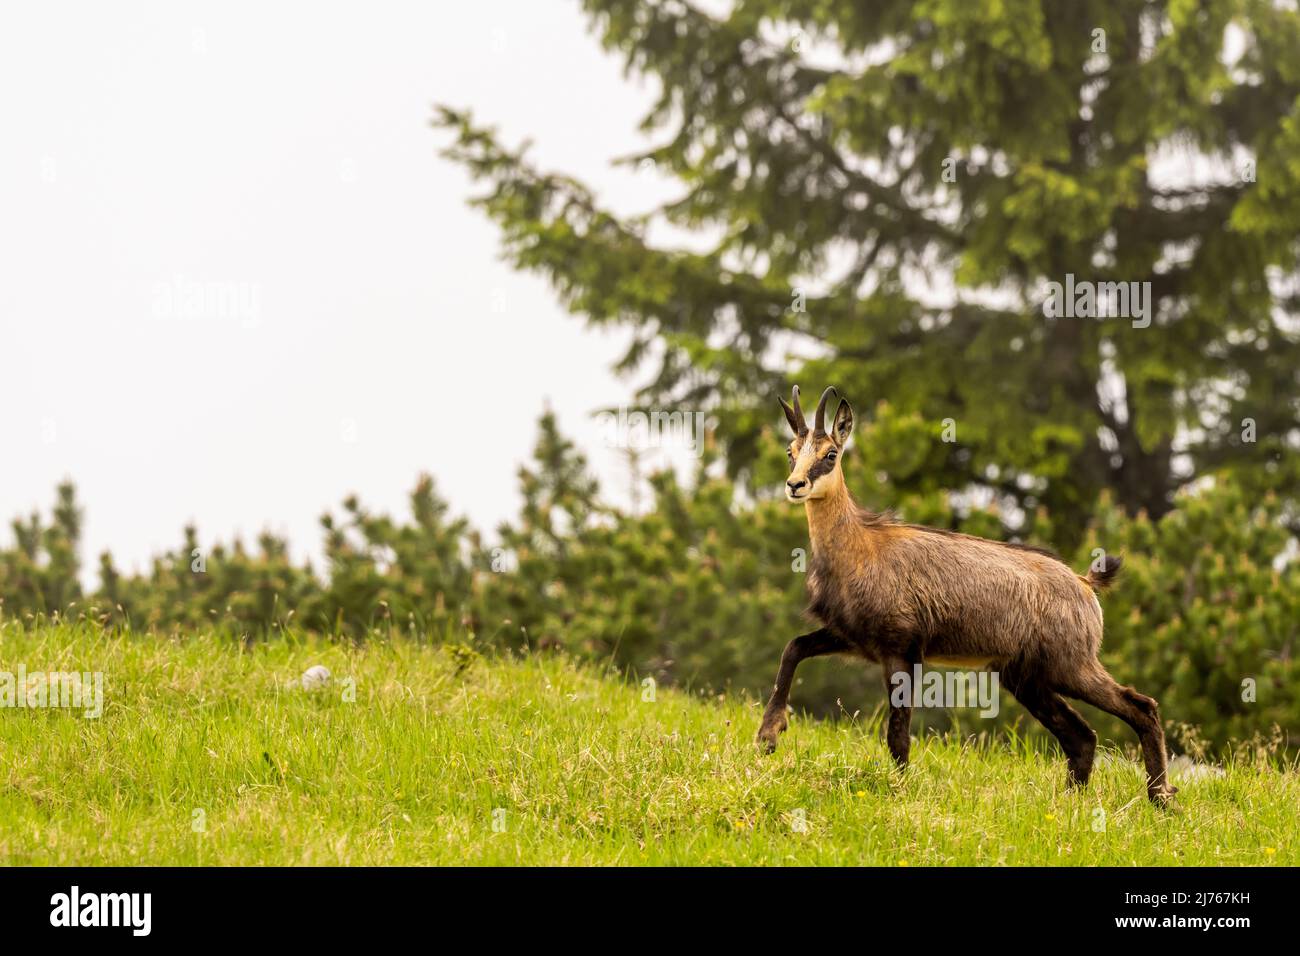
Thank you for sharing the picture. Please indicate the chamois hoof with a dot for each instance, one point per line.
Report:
(1074, 783)
(768, 733)
(1163, 797)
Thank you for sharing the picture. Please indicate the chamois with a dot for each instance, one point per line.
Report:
(903, 595)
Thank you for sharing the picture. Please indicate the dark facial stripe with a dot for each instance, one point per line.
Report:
(820, 467)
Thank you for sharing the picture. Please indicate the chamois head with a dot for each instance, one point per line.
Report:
(815, 454)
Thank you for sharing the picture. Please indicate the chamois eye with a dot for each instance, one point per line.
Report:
(831, 456)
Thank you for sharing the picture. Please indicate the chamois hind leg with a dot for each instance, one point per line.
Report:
(1077, 739)
(898, 731)
(815, 644)
(1095, 686)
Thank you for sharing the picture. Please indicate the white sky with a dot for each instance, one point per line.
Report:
(282, 152)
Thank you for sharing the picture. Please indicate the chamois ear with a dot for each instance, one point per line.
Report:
(843, 426)
(793, 414)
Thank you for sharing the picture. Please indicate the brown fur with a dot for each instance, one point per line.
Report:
(899, 594)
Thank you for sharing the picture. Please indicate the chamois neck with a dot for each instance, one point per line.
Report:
(830, 515)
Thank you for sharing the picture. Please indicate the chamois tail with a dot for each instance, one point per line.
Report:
(1100, 580)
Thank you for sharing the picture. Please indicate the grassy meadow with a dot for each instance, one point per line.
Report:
(210, 752)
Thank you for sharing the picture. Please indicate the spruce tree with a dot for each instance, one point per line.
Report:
(887, 191)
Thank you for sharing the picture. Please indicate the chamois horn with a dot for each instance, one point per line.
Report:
(819, 420)
(794, 415)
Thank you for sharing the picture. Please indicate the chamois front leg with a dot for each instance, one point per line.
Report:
(897, 672)
(807, 645)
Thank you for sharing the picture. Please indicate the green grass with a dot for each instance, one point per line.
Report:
(585, 771)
